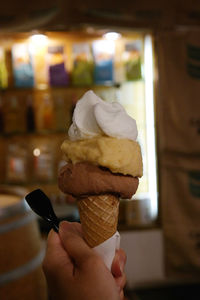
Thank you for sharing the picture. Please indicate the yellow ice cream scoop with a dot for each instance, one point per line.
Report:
(118, 155)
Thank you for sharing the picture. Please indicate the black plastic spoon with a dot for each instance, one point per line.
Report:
(41, 205)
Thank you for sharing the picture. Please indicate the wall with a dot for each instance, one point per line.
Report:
(145, 257)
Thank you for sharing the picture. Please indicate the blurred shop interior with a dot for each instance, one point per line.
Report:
(46, 76)
(146, 56)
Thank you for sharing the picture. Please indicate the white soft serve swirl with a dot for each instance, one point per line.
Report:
(92, 117)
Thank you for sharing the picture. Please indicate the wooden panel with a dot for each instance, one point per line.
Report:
(58, 15)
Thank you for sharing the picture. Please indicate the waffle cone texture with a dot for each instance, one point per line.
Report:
(99, 217)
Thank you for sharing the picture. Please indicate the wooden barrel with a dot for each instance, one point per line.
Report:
(21, 249)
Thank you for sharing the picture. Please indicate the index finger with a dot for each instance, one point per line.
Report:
(56, 258)
(73, 242)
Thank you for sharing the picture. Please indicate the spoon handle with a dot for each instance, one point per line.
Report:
(54, 222)
(55, 227)
(41, 205)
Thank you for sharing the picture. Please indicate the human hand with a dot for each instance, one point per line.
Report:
(117, 270)
(74, 271)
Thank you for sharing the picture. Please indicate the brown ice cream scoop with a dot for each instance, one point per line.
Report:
(83, 179)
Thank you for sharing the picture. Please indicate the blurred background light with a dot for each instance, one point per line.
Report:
(112, 35)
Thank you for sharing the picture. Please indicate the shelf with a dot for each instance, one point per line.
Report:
(31, 183)
(34, 134)
(46, 88)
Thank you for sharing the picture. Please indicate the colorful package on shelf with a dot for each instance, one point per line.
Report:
(17, 163)
(82, 73)
(14, 115)
(103, 52)
(22, 65)
(44, 112)
(57, 72)
(60, 113)
(43, 161)
(38, 47)
(30, 114)
(3, 70)
(132, 60)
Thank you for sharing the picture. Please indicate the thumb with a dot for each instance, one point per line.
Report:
(74, 243)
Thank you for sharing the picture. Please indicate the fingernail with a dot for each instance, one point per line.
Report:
(64, 224)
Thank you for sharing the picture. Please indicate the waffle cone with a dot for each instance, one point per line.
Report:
(99, 218)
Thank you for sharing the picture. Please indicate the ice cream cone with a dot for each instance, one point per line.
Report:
(99, 217)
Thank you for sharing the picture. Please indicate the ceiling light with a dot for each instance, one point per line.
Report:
(38, 38)
(112, 35)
